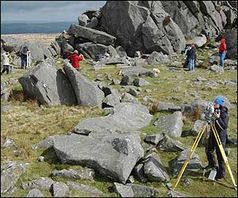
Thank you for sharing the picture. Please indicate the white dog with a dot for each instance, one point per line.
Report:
(156, 72)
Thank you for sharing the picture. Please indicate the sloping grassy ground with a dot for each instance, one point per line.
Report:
(27, 124)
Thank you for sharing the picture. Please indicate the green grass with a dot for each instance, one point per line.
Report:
(27, 124)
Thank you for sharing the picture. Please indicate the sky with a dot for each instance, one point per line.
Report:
(45, 11)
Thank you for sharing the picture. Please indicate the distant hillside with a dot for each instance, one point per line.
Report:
(19, 28)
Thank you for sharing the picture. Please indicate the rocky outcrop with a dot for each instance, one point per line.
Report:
(139, 26)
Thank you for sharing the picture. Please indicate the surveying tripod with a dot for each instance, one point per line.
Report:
(194, 146)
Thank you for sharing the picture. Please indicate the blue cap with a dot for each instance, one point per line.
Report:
(219, 100)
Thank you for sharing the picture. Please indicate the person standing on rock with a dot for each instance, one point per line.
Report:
(75, 59)
(221, 124)
(24, 57)
(191, 57)
(6, 62)
(222, 51)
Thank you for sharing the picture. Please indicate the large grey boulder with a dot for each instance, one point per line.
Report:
(154, 169)
(170, 124)
(35, 193)
(135, 190)
(10, 173)
(91, 34)
(94, 50)
(87, 92)
(137, 26)
(126, 117)
(193, 165)
(48, 85)
(112, 155)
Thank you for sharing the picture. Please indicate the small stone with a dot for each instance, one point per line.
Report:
(41, 158)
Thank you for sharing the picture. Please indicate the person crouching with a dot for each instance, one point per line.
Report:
(75, 59)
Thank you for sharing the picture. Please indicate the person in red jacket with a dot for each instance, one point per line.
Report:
(222, 51)
(75, 59)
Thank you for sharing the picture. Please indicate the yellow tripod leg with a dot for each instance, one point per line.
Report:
(223, 154)
(194, 146)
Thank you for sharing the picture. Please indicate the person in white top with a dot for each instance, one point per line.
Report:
(6, 62)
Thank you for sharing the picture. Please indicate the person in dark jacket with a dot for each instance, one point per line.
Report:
(75, 58)
(221, 124)
(191, 57)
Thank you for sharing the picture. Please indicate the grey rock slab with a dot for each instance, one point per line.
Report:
(60, 189)
(83, 20)
(126, 117)
(43, 183)
(112, 155)
(35, 193)
(170, 144)
(45, 144)
(48, 85)
(154, 169)
(86, 91)
(217, 68)
(89, 190)
(138, 171)
(91, 34)
(156, 58)
(193, 165)
(135, 190)
(137, 71)
(10, 173)
(153, 139)
(126, 97)
(170, 124)
(123, 190)
(139, 82)
(85, 173)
